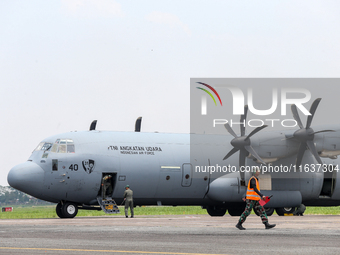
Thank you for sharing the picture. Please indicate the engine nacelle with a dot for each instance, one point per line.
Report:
(227, 189)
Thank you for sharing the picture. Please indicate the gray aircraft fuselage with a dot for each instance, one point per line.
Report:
(160, 169)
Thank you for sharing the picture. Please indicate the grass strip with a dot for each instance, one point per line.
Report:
(36, 212)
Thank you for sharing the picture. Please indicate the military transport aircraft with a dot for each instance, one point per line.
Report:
(163, 169)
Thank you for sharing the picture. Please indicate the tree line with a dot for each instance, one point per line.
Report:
(10, 196)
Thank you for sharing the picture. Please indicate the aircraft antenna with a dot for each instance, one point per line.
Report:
(138, 124)
(93, 125)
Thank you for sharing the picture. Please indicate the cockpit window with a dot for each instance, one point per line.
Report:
(44, 146)
(63, 146)
(39, 146)
(70, 148)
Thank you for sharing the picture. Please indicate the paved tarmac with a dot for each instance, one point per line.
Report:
(182, 235)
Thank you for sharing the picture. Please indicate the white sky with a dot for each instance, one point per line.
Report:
(65, 63)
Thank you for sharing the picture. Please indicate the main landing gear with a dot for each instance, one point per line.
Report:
(216, 211)
(66, 210)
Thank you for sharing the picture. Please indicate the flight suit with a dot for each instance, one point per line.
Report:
(128, 195)
(106, 185)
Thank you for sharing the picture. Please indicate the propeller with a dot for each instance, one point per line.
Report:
(242, 143)
(305, 135)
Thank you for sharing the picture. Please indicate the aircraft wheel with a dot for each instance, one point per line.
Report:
(59, 211)
(69, 210)
(216, 211)
(269, 211)
(281, 211)
(235, 211)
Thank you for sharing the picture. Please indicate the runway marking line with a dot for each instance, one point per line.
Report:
(106, 251)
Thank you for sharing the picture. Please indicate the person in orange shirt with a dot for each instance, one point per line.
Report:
(253, 196)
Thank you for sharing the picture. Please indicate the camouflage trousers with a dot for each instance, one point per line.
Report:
(259, 209)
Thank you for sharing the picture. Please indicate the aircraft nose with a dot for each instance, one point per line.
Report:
(26, 177)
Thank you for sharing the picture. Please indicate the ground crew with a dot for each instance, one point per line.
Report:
(253, 196)
(300, 210)
(106, 185)
(128, 198)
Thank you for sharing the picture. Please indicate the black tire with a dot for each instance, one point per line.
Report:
(216, 211)
(235, 211)
(269, 211)
(69, 210)
(283, 210)
(59, 211)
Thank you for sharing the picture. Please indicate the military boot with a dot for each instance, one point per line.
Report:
(239, 226)
(268, 226)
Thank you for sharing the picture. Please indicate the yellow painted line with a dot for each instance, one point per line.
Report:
(84, 250)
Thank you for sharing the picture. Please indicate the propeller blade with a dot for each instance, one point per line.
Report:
(301, 151)
(233, 150)
(296, 115)
(230, 130)
(242, 119)
(323, 131)
(253, 152)
(93, 125)
(312, 148)
(255, 131)
(242, 158)
(312, 111)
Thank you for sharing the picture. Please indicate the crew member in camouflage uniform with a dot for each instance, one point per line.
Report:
(128, 198)
(106, 185)
(253, 196)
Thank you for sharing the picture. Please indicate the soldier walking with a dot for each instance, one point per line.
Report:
(253, 196)
(128, 198)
